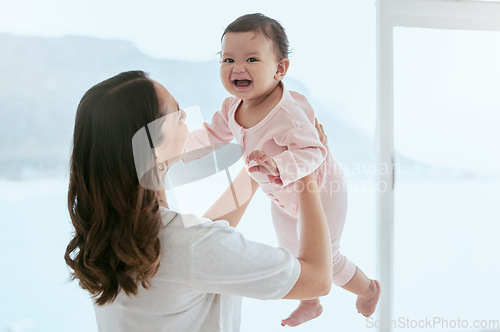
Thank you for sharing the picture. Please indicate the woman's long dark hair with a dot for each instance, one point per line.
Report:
(115, 244)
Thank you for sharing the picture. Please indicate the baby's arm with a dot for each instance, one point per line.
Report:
(306, 152)
(210, 137)
(265, 165)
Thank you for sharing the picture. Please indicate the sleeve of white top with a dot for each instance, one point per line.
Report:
(224, 262)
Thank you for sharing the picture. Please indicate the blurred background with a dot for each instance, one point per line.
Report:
(446, 119)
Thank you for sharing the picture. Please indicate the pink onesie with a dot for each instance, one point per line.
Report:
(288, 135)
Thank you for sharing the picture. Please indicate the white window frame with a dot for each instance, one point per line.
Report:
(434, 14)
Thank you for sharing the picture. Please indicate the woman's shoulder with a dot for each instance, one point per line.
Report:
(191, 222)
(188, 236)
(183, 232)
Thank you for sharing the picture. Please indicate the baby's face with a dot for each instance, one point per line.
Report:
(249, 65)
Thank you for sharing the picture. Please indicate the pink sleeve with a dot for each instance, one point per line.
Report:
(304, 155)
(210, 137)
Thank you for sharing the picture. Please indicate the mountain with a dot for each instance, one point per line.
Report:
(43, 79)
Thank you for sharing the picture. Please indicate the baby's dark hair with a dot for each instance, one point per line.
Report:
(261, 23)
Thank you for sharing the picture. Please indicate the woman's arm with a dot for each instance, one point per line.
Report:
(234, 201)
(315, 253)
(246, 268)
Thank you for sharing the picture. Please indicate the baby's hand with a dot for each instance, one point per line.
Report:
(265, 165)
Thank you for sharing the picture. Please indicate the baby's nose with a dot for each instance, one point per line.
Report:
(238, 69)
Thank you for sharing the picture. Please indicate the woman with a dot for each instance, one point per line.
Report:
(149, 268)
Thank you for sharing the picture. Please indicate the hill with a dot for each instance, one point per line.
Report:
(43, 79)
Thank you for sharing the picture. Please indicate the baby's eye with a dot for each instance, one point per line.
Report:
(252, 60)
(228, 60)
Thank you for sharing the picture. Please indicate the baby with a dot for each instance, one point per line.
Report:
(276, 130)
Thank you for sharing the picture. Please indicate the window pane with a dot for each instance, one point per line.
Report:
(446, 123)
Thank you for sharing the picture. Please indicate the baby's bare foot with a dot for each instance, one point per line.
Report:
(367, 303)
(307, 310)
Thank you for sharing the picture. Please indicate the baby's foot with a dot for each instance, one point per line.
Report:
(307, 310)
(366, 304)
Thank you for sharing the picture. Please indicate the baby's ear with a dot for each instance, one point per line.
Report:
(283, 65)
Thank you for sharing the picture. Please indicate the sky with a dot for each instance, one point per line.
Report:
(333, 55)
(333, 42)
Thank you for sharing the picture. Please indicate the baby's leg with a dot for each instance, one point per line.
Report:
(345, 273)
(334, 199)
(368, 292)
(286, 231)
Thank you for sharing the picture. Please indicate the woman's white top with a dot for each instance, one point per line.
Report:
(205, 269)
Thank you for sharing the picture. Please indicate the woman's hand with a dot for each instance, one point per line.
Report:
(321, 132)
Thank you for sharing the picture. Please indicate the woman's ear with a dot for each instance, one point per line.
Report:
(283, 65)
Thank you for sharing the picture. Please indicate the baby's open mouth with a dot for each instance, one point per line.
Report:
(242, 83)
